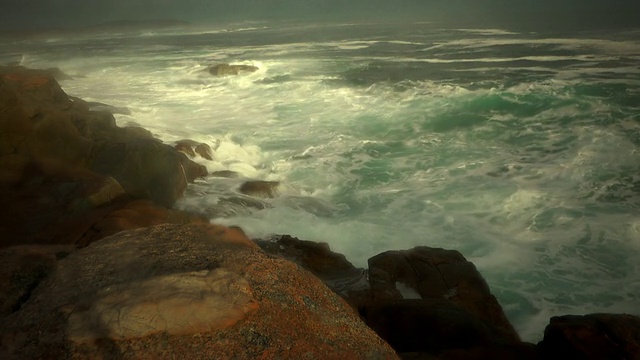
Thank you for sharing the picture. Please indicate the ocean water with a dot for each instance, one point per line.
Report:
(519, 149)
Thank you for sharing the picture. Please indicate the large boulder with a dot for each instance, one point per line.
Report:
(424, 302)
(193, 292)
(591, 337)
(63, 167)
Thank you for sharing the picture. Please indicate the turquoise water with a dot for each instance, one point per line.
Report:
(518, 149)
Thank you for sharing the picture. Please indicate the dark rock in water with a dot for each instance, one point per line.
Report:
(205, 151)
(433, 324)
(260, 188)
(58, 74)
(591, 337)
(191, 148)
(185, 148)
(439, 274)
(227, 69)
(332, 268)
(97, 106)
(193, 292)
(225, 174)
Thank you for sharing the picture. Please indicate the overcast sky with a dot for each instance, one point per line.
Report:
(27, 14)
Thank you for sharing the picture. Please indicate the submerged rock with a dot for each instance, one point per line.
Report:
(230, 69)
(196, 292)
(260, 188)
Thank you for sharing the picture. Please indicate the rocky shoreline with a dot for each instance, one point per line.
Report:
(95, 263)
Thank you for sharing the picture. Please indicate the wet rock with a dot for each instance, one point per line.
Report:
(196, 292)
(145, 168)
(332, 268)
(260, 188)
(594, 336)
(64, 167)
(191, 148)
(186, 147)
(204, 151)
(227, 69)
(439, 274)
(98, 106)
(425, 302)
(225, 174)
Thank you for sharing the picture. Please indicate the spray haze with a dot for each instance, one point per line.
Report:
(27, 14)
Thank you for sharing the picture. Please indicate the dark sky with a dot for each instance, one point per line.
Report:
(29, 14)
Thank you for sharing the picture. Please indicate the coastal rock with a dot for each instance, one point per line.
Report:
(196, 292)
(132, 215)
(204, 151)
(64, 167)
(424, 302)
(185, 148)
(436, 293)
(98, 106)
(591, 337)
(260, 188)
(227, 69)
(225, 174)
(191, 148)
(332, 268)
(432, 273)
(145, 168)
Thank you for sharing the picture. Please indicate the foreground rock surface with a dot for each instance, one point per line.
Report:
(191, 291)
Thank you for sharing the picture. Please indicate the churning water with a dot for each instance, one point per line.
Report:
(521, 150)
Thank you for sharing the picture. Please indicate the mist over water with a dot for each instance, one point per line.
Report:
(520, 149)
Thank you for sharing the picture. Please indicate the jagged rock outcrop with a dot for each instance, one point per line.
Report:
(190, 291)
(65, 167)
(193, 148)
(424, 302)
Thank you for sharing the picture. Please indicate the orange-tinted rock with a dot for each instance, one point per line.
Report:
(134, 215)
(196, 292)
(22, 268)
(591, 337)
